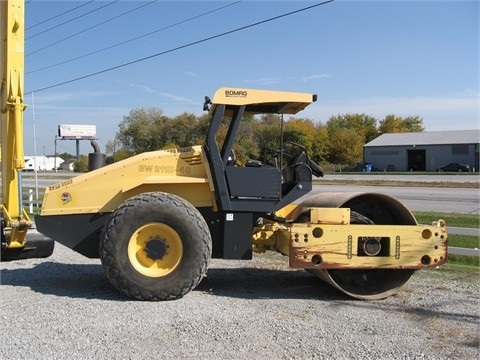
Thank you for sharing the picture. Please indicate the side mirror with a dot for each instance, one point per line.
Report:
(207, 103)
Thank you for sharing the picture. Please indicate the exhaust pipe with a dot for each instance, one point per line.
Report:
(96, 160)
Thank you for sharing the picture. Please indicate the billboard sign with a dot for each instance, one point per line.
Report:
(82, 132)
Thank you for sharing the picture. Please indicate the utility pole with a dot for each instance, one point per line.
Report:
(55, 159)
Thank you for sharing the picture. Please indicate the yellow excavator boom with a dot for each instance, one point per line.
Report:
(16, 220)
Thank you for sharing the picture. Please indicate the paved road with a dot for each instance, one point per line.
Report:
(456, 200)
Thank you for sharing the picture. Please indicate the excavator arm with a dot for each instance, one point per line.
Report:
(14, 219)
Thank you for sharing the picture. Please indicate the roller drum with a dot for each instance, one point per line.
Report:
(373, 208)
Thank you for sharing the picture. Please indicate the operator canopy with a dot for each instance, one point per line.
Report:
(261, 101)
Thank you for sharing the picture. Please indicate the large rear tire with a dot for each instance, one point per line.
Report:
(366, 208)
(155, 246)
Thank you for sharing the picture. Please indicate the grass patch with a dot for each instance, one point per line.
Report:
(464, 261)
(457, 262)
(452, 267)
(452, 219)
(463, 241)
(454, 272)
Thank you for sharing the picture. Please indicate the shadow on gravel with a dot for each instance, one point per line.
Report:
(88, 281)
(426, 312)
(251, 283)
(84, 281)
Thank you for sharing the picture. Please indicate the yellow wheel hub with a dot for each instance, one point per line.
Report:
(155, 250)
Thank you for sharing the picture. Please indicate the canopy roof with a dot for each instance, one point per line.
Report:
(263, 101)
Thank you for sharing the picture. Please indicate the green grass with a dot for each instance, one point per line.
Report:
(463, 241)
(457, 262)
(467, 261)
(457, 267)
(457, 220)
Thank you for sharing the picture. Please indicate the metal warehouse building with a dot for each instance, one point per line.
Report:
(423, 151)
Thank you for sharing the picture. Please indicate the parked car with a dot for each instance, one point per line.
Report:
(455, 167)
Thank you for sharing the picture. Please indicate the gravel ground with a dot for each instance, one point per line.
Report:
(63, 307)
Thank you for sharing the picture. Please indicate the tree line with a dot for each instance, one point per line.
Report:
(338, 141)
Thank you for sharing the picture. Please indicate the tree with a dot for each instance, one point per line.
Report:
(346, 146)
(346, 136)
(66, 156)
(140, 130)
(267, 133)
(116, 155)
(397, 124)
(413, 124)
(80, 165)
(180, 131)
(340, 140)
(148, 130)
(363, 123)
(300, 131)
(245, 145)
(320, 146)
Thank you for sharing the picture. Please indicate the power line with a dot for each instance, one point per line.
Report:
(184, 46)
(93, 26)
(135, 38)
(56, 16)
(76, 18)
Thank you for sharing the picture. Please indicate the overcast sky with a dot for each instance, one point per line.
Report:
(374, 57)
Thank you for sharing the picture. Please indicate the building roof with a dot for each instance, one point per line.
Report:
(42, 158)
(427, 138)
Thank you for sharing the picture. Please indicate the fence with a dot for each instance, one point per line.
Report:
(463, 231)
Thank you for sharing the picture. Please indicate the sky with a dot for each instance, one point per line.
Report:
(408, 58)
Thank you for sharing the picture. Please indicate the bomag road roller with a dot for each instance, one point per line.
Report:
(156, 219)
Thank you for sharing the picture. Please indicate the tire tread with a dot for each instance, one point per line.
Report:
(202, 249)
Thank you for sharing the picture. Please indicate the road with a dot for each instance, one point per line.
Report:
(449, 200)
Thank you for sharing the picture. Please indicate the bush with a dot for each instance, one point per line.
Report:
(81, 164)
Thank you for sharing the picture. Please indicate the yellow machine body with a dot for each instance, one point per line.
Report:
(178, 171)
